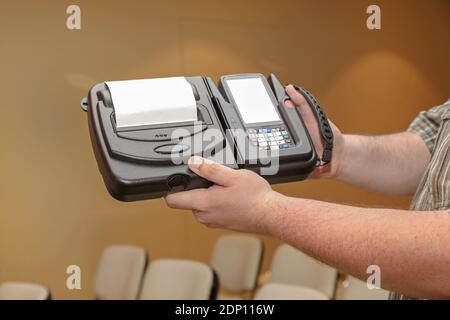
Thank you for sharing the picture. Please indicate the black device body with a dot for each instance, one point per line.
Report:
(149, 163)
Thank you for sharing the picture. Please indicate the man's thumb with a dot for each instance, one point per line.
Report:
(212, 171)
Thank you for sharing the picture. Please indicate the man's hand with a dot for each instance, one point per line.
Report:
(390, 164)
(300, 103)
(239, 200)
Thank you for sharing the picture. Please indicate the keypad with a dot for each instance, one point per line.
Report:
(270, 138)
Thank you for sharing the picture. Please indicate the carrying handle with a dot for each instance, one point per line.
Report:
(322, 120)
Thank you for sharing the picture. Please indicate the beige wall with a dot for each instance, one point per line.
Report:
(54, 209)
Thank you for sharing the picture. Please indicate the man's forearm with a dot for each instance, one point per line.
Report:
(412, 249)
(391, 164)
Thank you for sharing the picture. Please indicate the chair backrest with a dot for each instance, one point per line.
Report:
(177, 279)
(355, 289)
(291, 266)
(23, 291)
(119, 273)
(237, 261)
(281, 291)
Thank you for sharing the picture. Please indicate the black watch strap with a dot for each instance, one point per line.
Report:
(324, 125)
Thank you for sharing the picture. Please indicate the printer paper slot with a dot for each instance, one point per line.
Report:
(144, 103)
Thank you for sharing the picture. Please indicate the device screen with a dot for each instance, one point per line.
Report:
(253, 101)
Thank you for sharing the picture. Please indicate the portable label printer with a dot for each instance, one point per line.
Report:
(144, 131)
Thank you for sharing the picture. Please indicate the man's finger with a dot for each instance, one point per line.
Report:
(288, 104)
(296, 97)
(191, 200)
(212, 171)
(300, 102)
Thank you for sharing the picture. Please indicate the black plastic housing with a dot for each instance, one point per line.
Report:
(138, 164)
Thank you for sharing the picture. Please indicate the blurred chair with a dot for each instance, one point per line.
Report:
(177, 279)
(237, 261)
(119, 273)
(280, 291)
(23, 291)
(291, 266)
(355, 289)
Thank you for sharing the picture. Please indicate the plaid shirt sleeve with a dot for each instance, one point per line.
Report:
(426, 124)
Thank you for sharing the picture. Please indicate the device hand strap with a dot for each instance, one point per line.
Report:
(324, 125)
